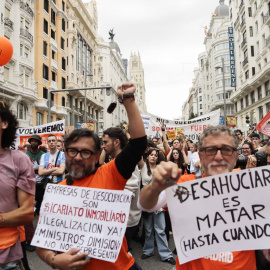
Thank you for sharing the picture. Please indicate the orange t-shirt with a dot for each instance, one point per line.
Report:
(236, 260)
(107, 177)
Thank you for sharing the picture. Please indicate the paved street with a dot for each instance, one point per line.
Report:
(152, 263)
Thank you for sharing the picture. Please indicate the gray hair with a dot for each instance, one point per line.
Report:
(217, 130)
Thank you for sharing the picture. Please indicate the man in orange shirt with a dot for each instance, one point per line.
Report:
(82, 155)
(218, 154)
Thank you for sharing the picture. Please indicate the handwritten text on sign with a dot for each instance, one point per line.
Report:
(228, 212)
(93, 220)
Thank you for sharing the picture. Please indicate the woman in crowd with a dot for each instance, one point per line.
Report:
(179, 157)
(194, 161)
(154, 223)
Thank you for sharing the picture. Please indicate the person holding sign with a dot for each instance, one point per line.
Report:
(82, 148)
(17, 191)
(218, 154)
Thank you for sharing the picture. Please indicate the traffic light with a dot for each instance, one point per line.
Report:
(247, 120)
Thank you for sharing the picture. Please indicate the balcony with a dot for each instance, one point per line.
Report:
(243, 23)
(266, 18)
(27, 8)
(60, 110)
(241, 7)
(54, 64)
(54, 85)
(41, 104)
(53, 43)
(245, 61)
(244, 42)
(236, 24)
(8, 23)
(26, 34)
(267, 42)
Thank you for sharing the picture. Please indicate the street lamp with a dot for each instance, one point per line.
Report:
(224, 93)
(108, 90)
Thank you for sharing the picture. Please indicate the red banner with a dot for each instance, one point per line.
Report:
(264, 125)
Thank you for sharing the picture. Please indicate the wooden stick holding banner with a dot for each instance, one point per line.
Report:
(223, 213)
(93, 220)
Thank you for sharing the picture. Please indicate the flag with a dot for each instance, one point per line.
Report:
(264, 125)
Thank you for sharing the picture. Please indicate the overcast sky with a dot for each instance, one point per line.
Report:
(169, 36)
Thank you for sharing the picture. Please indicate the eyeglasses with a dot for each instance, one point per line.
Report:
(225, 150)
(73, 152)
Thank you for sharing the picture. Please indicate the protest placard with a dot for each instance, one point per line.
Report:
(146, 121)
(23, 134)
(227, 212)
(171, 134)
(93, 220)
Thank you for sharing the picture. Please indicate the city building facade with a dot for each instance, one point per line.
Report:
(17, 84)
(136, 72)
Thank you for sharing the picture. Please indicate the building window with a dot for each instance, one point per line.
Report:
(252, 50)
(45, 93)
(45, 27)
(53, 76)
(267, 89)
(63, 5)
(62, 44)
(251, 31)
(52, 34)
(21, 111)
(63, 63)
(39, 119)
(45, 48)
(52, 17)
(63, 25)
(63, 101)
(249, 12)
(253, 71)
(242, 104)
(259, 89)
(45, 72)
(247, 100)
(247, 74)
(252, 96)
(46, 5)
(63, 83)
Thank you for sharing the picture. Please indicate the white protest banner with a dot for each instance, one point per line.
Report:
(93, 220)
(227, 212)
(23, 134)
(191, 128)
(146, 121)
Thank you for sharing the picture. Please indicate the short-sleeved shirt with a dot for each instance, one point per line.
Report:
(107, 177)
(35, 160)
(16, 172)
(47, 161)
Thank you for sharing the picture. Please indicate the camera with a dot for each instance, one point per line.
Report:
(241, 162)
(261, 158)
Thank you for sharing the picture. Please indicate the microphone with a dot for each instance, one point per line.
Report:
(69, 180)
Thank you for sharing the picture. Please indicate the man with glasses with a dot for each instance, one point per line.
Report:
(82, 157)
(218, 154)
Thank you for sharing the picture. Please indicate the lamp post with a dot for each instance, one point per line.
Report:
(108, 91)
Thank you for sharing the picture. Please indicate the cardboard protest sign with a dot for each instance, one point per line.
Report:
(228, 212)
(191, 128)
(146, 121)
(93, 220)
(23, 134)
(171, 134)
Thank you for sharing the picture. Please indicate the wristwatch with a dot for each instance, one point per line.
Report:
(126, 96)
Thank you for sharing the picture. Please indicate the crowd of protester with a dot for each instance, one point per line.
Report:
(49, 165)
